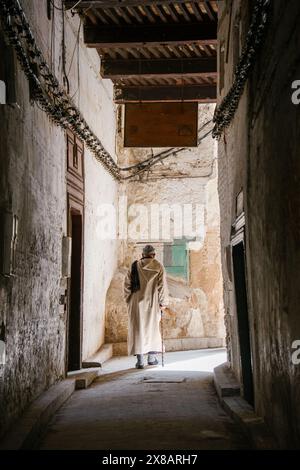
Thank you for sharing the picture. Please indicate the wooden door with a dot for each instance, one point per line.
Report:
(239, 271)
(75, 223)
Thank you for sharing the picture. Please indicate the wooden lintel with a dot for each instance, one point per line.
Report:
(121, 68)
(112, 36)
(123, 3)
(201, 94)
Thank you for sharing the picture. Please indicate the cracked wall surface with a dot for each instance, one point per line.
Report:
(33, 187)
(188, 178)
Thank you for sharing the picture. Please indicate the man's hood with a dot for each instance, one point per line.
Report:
(149, 265)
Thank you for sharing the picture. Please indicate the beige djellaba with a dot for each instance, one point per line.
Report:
(144, 307)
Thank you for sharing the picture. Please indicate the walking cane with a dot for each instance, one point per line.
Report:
(162, 340)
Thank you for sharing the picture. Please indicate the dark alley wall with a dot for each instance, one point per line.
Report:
(32, 174)
(33, 170)
(259, 154)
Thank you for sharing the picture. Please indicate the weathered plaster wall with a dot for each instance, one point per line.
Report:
(100, 256)
(94, 99)
(33, 188)
(259, 153)
(190, 178)
(32, 173)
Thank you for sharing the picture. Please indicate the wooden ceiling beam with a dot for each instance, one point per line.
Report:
(131, 94)
(124, 3)
(196, 66)
(110, 36)
(211, 13)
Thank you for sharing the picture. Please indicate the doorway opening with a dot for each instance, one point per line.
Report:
(75, 295)
(239, 271)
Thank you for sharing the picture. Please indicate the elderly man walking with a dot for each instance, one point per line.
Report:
(146, 293)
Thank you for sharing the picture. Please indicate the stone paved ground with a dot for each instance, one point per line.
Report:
(171, 408)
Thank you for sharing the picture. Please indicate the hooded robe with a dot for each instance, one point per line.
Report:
(144, 306)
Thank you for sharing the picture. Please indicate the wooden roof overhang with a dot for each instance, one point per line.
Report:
(154, 51)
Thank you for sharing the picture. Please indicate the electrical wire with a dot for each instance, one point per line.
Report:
(52, 46)
(54, 6)
(169, 151)
(75, 47)
(64, 9)
(158, 158)
(225, 112)
(47, 91)
(52, 98)
(74, 6)
(63, 46)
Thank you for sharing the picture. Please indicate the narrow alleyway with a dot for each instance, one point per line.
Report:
(136, 132)
(171, 408)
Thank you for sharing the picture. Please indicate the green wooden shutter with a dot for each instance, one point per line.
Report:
(175, 259)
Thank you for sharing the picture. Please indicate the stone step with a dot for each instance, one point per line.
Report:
(102, 355)
(27, 431)
(83, 379)
(225, 382)
(228, 391)
(254, 425)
